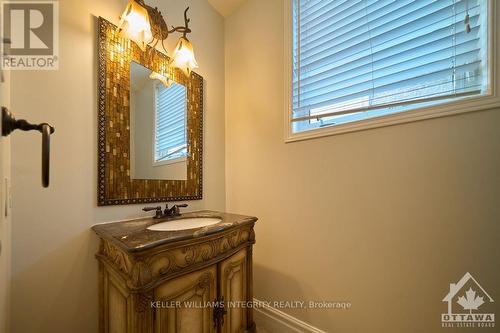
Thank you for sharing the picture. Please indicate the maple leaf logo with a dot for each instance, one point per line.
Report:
(470, 301)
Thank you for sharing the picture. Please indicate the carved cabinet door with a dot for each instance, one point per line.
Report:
(183, 303)
(233, 289)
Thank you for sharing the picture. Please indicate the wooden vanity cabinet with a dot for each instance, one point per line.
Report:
(233, 277)
(179, 287)
(193, 288)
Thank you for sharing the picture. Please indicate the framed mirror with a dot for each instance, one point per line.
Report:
(150, 125)
(158, 127)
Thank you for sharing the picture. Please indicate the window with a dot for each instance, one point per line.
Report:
(353, 61)
(170, 123)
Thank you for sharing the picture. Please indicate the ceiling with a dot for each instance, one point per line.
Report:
(226, 7)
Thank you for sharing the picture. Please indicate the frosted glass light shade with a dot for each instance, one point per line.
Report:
(167, 82)
(134, 24)
(183, 57)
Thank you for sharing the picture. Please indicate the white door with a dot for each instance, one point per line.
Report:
(5, 225)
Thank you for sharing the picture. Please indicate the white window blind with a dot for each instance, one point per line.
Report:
(170, 122)
(357, 59)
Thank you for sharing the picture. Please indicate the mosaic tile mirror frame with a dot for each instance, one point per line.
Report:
(115, 185)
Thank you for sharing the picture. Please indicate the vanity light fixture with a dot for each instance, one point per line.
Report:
(146, 26)
(135, 25)
(184, 56)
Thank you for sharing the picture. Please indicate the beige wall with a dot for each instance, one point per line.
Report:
(54, 270)
(384, 218)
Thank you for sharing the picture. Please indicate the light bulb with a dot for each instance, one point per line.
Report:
(183, 57)
(134, 24)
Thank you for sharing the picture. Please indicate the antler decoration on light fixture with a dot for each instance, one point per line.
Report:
(145, 26)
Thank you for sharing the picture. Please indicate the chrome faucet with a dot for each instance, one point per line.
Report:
(168, 212)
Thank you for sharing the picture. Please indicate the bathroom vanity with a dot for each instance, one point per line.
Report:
(168, 274)
(192, 280)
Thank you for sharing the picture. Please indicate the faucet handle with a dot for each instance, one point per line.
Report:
(157, 209)
(148, 209)
(175, 211)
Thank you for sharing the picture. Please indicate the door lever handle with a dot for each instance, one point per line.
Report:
(10, 124)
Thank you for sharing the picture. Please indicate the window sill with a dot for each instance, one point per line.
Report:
(465, 105)
(168, 162)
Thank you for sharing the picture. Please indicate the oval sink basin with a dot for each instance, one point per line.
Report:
(184, 224)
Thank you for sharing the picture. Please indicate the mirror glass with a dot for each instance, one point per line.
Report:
(158, 119)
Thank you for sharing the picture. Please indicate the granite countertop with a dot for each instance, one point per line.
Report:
(133, 235)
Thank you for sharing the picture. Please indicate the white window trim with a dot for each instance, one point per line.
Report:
(168, 162)
(490, 100)
(155, 102)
